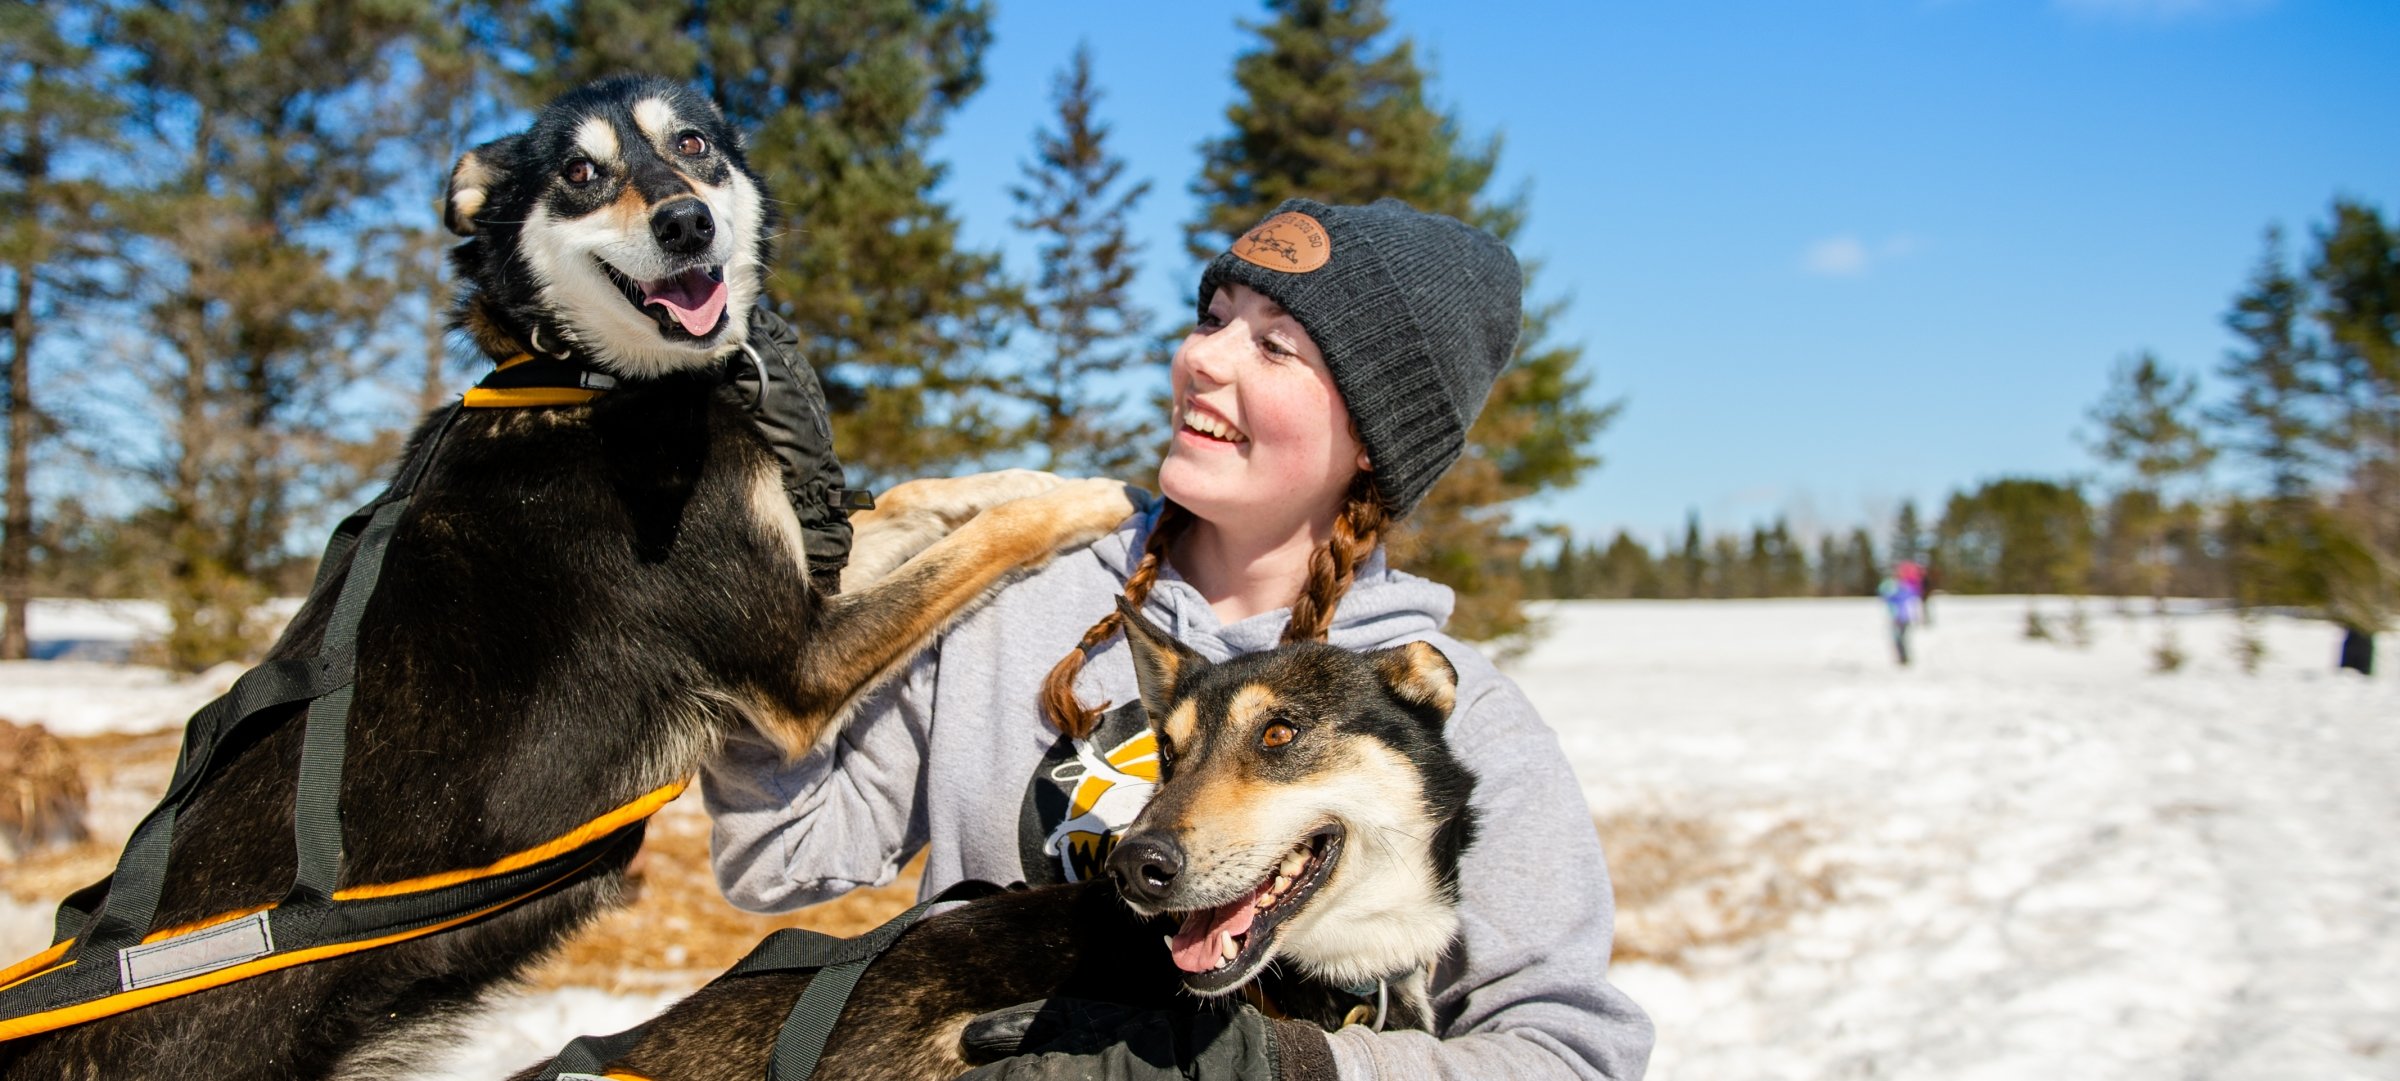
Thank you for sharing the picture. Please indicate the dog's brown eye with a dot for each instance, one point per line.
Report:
(580, 171)
(691, 145)
(1277, 735)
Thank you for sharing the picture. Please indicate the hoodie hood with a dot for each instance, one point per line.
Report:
(1383, 607)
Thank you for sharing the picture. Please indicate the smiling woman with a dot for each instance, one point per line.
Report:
(1338, 357)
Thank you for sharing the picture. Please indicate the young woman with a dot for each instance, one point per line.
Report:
(1339, 357)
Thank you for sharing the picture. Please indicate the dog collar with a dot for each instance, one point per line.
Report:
(527, 380)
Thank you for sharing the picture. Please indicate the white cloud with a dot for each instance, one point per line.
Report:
(1840, 256)
(1846, 256)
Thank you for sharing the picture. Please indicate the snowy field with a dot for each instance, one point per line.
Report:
(2017, 859)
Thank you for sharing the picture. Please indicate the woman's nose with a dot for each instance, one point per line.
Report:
(1209, 358)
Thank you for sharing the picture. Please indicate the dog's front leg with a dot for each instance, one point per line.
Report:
(863, 637)
(911, 516)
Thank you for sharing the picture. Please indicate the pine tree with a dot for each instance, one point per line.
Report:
(1864, 570)
(1908, 534)
(263, 128)
(2016, 535)
(2356, 269)
(56, 99)
(1325, 110)
(1081, 304)
(2146, 428)
(1694, 558)
(2276, 378)
(841, 101)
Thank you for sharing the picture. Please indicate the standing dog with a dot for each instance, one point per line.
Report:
(581, 601)
(1304, 839)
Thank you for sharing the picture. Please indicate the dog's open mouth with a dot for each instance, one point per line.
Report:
(690, 304)
(1220, 947)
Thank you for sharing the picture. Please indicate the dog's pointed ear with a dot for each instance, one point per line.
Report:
(1419, 674)
(1159, 661)
(471, 181)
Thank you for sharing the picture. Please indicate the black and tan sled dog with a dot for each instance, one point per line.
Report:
(1302, 851)
(578, 602)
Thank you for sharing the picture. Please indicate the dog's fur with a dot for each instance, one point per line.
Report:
(1367, 766)
(578, 606)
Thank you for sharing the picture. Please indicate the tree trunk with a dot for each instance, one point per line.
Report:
(16, 532)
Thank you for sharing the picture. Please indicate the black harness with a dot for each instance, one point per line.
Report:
(800, 1043)
(105, 959)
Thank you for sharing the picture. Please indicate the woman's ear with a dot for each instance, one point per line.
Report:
(1159, 661)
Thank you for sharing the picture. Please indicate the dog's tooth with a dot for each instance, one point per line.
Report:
(1282, 883)
(1265, 899)
(1225, 945)
(1293, 862)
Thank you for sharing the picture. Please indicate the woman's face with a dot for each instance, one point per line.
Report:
(1262, 439)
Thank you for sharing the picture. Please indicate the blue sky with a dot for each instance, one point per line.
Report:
(1833, 253)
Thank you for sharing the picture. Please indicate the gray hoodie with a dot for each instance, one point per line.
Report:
(941, 761)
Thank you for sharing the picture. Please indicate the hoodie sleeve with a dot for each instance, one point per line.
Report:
(1525, 992)
(846, 815)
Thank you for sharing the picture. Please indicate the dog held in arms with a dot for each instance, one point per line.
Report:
(580, 602)
(1305, 837)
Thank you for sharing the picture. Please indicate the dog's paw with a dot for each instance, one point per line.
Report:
(954, 500)
(1081, 511)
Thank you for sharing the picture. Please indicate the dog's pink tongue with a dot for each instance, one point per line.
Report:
(693, 297)
(1199, 944)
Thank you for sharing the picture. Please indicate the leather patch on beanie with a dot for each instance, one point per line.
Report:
(1291, 242)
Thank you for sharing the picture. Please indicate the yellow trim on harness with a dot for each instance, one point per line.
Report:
(583, 835)
(35, 1023)
(27, 969)
(513, 397)
(523, 397)
(42, 963)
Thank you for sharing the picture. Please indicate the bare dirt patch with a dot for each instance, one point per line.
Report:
(1687, 883)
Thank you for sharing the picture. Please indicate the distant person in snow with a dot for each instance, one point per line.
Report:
(1901, 597)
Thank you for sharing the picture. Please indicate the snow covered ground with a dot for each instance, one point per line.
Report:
(2045, 861)
(2025, 859)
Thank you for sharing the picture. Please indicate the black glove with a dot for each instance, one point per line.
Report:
(1060, 1039)
(788, 405)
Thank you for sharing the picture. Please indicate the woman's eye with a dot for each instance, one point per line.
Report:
(1277, 735)
(1278, 347)
(691, 145)
(580, 171)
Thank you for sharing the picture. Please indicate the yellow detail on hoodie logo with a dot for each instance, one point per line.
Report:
(1108, 791)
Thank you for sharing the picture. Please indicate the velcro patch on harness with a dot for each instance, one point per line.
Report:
(204, 950)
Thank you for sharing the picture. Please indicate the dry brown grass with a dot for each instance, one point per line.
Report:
(1689, 883)
(42, 794)
(680, 929)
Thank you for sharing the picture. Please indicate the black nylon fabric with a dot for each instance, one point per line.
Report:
(787, 404)
(800, 1043)
(118, 911)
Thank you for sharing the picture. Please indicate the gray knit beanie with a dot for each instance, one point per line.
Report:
(1416, 314)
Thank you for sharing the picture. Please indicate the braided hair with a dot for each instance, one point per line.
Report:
(1356, 531)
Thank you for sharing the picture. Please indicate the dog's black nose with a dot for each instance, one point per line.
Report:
(1145, 866)
(684, 227)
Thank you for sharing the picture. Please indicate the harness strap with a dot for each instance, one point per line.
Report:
(528, 380)
(800, 1043)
